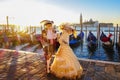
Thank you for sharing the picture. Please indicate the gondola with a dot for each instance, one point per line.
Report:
(75, 42)
(118, 44)
(91, 42)
(107, 43)
(118, 47)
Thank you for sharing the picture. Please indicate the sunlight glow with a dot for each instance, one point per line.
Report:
(31, 13)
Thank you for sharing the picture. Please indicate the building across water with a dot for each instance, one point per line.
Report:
(106, 24)
(90, 23)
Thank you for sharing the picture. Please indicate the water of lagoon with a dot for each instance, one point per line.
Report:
(82, 51)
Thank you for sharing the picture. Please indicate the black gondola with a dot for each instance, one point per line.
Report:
(118, 44)
(118, 47)
(92, 42)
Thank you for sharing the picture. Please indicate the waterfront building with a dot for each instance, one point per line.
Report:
(106, 24)
(90, 23)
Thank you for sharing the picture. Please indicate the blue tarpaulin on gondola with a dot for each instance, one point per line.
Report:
(74, 40)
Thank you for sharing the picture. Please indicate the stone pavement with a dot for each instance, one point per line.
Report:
(31, 66)
(100, 70)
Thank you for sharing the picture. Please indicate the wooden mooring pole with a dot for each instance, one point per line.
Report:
(116, 35)
(35, 30)
(98, 33)
(119, 37)
(109, 28)
(86, 33)
(81, 23)
(98, 38)
(7, 26)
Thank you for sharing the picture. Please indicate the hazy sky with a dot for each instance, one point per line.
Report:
(31, 12)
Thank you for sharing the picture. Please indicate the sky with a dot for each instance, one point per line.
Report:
(31, 12)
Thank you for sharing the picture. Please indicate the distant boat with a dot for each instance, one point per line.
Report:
(75, 42)
(107, 43)
(92, 42)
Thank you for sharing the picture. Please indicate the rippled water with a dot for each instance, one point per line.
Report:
(82, 51)
(99, 54)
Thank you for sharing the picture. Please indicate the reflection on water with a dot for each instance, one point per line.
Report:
(99, 53)
(82, 51)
